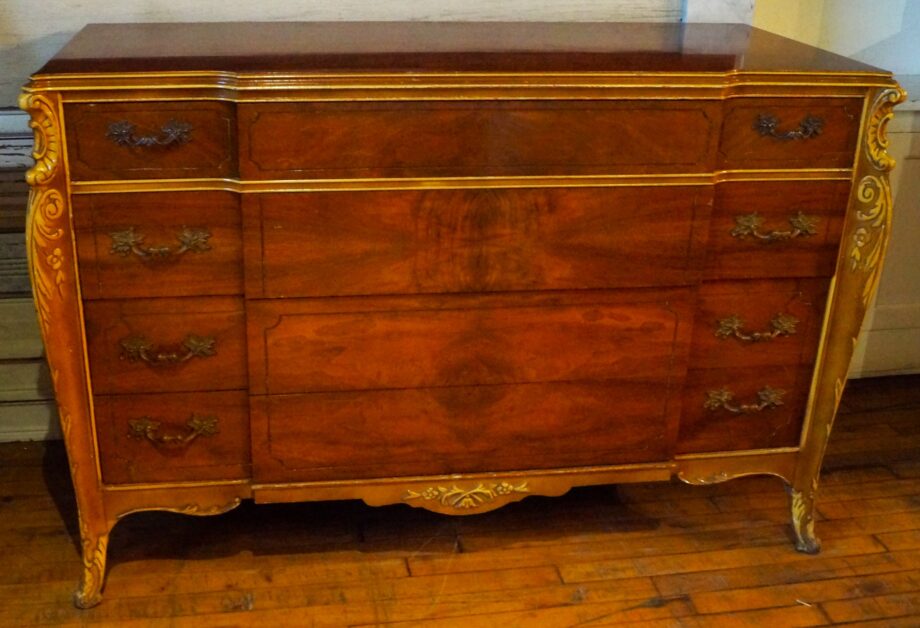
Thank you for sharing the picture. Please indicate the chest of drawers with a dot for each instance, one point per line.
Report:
(447, 265)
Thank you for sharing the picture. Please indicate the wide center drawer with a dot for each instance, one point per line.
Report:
(421, 139)
(358, 387)
(473, 240)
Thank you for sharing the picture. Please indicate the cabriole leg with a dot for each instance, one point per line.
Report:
(95, 544)
(803, 518)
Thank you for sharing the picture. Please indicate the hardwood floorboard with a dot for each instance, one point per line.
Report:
(644, 555)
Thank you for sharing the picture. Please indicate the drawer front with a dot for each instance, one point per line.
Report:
(147, 245)
(758, 323)
(426, 431)
(159, 345)
(731, 409)
(354, 243)
(173, 437)
(151, 140)
(440, 139)
(776, 229)
(371, 344)
(790, 132)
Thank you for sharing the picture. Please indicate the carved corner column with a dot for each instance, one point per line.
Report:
(865, 239)
(53, 274)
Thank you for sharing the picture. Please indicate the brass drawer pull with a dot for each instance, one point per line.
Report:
(746, 225)
(139, 349)
(173, 132)
(145, 427)
(780, 325)
(128, 241)
(809, 127)
(722, 398)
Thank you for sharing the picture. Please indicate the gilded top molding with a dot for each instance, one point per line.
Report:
(47, 147)
(877, 127)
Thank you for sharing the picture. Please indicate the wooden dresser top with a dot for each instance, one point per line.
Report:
(411, 47)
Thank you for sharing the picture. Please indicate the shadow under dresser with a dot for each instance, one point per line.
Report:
(447, 265)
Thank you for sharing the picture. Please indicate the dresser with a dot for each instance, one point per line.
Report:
(447, 265)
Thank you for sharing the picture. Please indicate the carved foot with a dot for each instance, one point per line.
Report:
(803, 520)
(89, 593)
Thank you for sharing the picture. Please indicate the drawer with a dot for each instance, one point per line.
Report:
(313, 345)
(175, 437)
(156, 140)
(159, 345)
(446, 139)
(776, 229)
(457, 429)
(790, 132)
(731, 409)
(406, 242)
(758, 323)
(146, 245)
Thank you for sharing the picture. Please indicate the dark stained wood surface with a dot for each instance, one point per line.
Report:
(456, 429)
(165, 323)
(128, 459)
(649, 555)
(404, 242)
(705, 430)
(742, 146)
(730, 257)
(433, 46)
(425, 139)
(159, 219)
(210, 150)
(307, 345)
(757, 303)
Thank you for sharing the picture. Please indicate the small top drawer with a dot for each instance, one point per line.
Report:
(789, 132)
(447, 139)
(151, 140)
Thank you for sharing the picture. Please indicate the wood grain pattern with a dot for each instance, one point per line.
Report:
(305, 346)
(704, 430)
(742, 146)
(128, 459)
(353, 243)
(729, 257)
(757, 303)
(166, 323)
(159, 218)
(460, 428)
(210, 151)
(397, 139)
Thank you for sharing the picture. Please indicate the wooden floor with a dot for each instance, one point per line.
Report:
(651, 554)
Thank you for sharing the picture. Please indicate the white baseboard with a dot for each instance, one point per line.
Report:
(29, 420)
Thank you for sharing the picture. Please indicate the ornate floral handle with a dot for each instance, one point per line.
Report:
(139, 349)
(780, 325)
(809, 127)
(746, 225)
(173, 132)
(128, 241)
(722, 399)
(196, 426)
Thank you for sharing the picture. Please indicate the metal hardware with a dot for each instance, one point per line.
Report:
(173, 132)
(139, 349)
(128, 241)
(145, 427)
(722, 398)
(466, 498)
(780, 325)
(809, 127)
(749, 225)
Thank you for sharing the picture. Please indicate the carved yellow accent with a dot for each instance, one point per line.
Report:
(47, 250)
(89, 593)
(877, 127)
(870, 237)
(202, 511)
(462, 499)
(44, 125)
(803, 520)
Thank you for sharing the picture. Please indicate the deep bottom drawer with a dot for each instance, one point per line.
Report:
(173, 437)
(326, 436)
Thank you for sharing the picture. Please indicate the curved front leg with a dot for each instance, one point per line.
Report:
(803, 518)
(95, 545)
